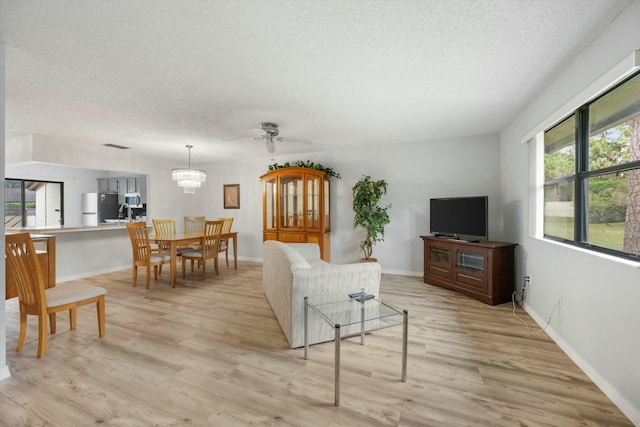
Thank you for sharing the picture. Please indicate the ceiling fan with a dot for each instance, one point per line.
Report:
(269, 133)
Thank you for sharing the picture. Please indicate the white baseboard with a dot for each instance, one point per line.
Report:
(128, 267)
(611, 392)
(403, 272)
(4, 373)
(93, 273)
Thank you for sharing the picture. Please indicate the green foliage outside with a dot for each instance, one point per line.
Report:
(559, 226)
(607, 193)
(17, 205)
(604, 235)
(607, 199)
(559, 164)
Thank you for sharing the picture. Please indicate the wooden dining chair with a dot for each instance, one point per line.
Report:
(224, 241)
(142, 255)
(209, 250)
(164, 227)
(23, 265)
(193, 224)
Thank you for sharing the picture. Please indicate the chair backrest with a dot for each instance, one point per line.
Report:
(164, 226)
(228, 222)
(139, 242)
(193, 224)
(211, 243)
(22, 263)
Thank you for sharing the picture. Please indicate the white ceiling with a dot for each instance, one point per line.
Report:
(156, 75)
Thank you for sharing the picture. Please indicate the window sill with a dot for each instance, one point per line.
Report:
(628, 262)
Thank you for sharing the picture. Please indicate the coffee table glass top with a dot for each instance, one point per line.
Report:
(344, 311)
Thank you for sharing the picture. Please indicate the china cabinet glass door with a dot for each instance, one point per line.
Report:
(313, 203)
(327, 210)
(270, 204)
(291, 202)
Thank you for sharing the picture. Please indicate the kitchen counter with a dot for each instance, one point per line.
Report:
(70, 228)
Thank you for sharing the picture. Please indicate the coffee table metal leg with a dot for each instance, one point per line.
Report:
(337, 367)
(306, 327)
(362, 323)
(405, 332)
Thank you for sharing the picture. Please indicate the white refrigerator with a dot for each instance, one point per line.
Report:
(89, 209)
(96, 207)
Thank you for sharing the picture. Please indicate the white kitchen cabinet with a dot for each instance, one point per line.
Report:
(132, 185)
(107, 185)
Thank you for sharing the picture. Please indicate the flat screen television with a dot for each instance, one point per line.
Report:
(462, 218)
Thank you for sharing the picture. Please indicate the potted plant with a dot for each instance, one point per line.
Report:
(368, 214)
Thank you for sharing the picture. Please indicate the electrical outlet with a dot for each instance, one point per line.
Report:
(523, 289)
(526, 280)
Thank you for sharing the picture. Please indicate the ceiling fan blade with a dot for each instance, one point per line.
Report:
(297, 141)
(243, 139)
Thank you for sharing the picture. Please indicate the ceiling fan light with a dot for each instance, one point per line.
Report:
(271, 146)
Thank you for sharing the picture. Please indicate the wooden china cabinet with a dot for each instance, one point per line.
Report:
(296, 207)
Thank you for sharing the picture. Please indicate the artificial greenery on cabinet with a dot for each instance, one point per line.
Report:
(308, 164)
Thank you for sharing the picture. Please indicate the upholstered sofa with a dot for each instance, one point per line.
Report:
(292, 271)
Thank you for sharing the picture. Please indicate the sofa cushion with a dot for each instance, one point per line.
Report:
(318, 263)
(309, 251)
(296, 260)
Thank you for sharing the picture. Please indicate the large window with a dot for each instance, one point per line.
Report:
(33, 203)
(592, 174)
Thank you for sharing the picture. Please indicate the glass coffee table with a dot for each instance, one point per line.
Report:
(355, 316)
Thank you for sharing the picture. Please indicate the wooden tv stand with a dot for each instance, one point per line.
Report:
(482, 270)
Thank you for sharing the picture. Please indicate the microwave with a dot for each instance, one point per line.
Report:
(133, 200)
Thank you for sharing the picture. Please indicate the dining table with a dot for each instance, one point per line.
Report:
(176, 240)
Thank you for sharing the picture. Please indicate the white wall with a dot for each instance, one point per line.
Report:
(414, 172)
(597, 322)
(4, 369)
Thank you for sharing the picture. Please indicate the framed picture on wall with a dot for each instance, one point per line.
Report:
(232, 196)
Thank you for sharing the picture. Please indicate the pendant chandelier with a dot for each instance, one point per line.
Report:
(189, 178)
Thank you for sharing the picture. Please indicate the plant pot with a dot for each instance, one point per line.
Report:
(368, 259)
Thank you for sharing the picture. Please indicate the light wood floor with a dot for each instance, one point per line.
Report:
(212, 354)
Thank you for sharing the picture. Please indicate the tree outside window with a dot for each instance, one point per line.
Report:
(592, 174)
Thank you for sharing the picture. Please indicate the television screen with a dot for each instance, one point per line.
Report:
(460, 217)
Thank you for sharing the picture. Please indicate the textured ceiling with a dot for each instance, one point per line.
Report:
(156, 75)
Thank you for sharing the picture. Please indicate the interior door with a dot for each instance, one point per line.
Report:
(53, 204)
(47, 209)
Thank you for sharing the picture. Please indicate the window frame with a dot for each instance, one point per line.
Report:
(582, 174)
(23, 207)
